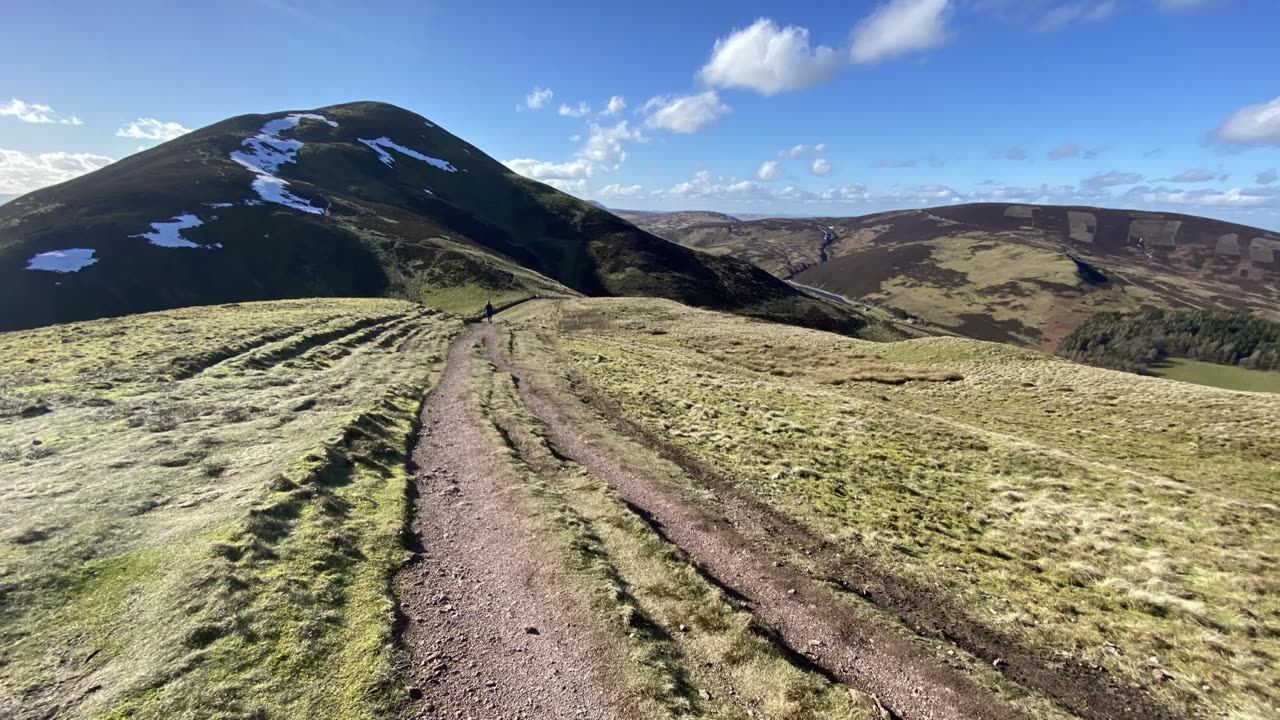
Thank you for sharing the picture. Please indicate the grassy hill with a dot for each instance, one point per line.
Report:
(360, 199)
(1111, 531)
(201, 509)
(202, 512)
(1011, 273)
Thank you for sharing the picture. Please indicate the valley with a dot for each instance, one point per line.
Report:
(1022, 274)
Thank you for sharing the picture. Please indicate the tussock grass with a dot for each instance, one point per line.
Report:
(1102, 516)
(215, 546)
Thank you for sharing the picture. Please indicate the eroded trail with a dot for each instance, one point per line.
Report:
(802, 613)
(489, 626)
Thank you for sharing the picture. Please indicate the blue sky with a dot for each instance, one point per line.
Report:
(805, 106)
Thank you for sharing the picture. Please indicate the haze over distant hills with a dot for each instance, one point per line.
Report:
(1027, 274)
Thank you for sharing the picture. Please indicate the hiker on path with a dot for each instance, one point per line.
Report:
(488, 311)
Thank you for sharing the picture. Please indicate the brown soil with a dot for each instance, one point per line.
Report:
(490, 628)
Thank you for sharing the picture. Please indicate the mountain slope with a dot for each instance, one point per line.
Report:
(1013, 273)
(360, 199)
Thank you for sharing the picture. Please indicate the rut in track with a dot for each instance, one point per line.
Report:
(490, 627)
(800, 611)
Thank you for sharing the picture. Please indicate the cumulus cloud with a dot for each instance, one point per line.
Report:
(769, 170)
(36, 113)
(616, 104)
(769, 59)
(684, 113)
(794, 152)
(604, 143)
(581, 110)
(1251, 125)
(821, 166)
(1097, 181)
(603, 151)
(898, 28)
(152, 129)
(1266, 177)
(537, 98)
(21, 172)
(1193, 176)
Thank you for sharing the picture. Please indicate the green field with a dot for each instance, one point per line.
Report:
(201, 509)
(1229, 377)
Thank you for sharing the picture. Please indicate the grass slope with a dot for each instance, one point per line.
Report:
(1021, 274)
(1107, 520)
(202, 509)
(451, 231)
(1228, 377)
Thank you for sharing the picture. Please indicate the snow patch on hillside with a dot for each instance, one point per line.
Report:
(264, 153)
(272, 189)
(62, 261)
(220, 205)
(382, 144)
(169, 234)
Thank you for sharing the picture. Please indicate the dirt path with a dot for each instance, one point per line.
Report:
(803, 613)
(488, 624)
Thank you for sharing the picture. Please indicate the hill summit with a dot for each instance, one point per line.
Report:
(359, 199)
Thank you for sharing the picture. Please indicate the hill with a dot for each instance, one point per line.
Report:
(663, 224)
(291, 509)
(360, 199)
(1013, 273)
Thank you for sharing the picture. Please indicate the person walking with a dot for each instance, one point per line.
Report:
(488, 311)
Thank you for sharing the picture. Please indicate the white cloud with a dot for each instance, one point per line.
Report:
(536, 99)
(1193, 176)
(1252, 125)
(581, 110)
(36, 113)
(541, 170)
(152, 129)
(685, 113)
(604, 144)
(1266, 177)
(1231, 197)
(602, 152)
(855, 192)
(820, 148)
(623, 192)
(821, 167)
(899, 27)
(794, 152)
(1097, 181)
(21, 172)
(1061, 16)
(616, 104)
(769, 170)
(769, 59)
